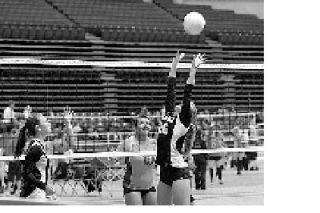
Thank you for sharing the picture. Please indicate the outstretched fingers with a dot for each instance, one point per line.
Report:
(198, 60)
(179, 56)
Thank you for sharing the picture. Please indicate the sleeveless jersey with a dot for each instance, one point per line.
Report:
(139, 174)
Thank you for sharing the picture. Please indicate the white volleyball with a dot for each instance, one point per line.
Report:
(194, 23)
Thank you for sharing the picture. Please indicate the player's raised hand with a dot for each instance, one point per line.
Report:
(175, 61)
(198, 60)
(68, 113)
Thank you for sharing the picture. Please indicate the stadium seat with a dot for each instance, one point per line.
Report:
(31, 33)
(48, 34)
(6, 32)
(39, 33)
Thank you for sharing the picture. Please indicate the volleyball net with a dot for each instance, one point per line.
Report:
(95, 159)
(96, 165)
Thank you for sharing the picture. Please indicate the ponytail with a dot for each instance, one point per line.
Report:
(189, 140)
(30, 126)
(21, 142)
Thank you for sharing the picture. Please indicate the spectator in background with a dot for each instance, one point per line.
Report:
(200, 162)
(8, 113)
(245, 144)
(64, 144)
(2, 173)
(216, 160)
(9, 118)
(27, 111)
(238, 156)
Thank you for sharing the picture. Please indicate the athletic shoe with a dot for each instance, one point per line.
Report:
(192, 199)
(15, 187)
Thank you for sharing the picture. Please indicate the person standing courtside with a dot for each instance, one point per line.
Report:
(216, 160)
(9, 118)
(238, 156)
(201, 162)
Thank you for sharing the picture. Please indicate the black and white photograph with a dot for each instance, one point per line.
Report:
(132, 102)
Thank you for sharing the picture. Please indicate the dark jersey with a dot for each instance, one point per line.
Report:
(33, 172)
(174, 128)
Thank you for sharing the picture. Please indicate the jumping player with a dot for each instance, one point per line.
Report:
(139, 180)
(172, 149)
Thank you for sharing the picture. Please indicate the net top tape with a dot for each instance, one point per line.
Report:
(132, 64)
(142, 153)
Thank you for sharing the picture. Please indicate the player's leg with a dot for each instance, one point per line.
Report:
(181, 192)
(191, 179)
(210, 168)
(211, 174)
(219, 169)
(133, 198)
(203, 171)
(197, 175)
(164, 194)
(150, 198)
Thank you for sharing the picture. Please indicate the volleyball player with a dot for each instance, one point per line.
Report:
(172, 149)
(31, 143)
(139, 181)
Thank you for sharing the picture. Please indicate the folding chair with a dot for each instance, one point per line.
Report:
(63, 180)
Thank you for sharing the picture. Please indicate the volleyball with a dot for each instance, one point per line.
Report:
(194, 23)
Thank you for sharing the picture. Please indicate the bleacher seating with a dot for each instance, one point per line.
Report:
(220, 22)
(51, 89)
(126, 20)
(138, 87)
(41, 32)
(30, 12)
(216, 19)
(126, 30)
(35, 20)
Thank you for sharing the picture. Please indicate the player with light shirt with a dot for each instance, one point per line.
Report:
(139, 181)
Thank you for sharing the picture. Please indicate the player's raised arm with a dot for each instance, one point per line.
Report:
(171, 94)
(67, 115)
(185, 109)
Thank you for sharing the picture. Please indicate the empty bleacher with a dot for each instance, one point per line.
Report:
(126, 30)
(48, 89)
(216, 19)
(134, 88)
(35, 20)
(125, 20)
(30, 12)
